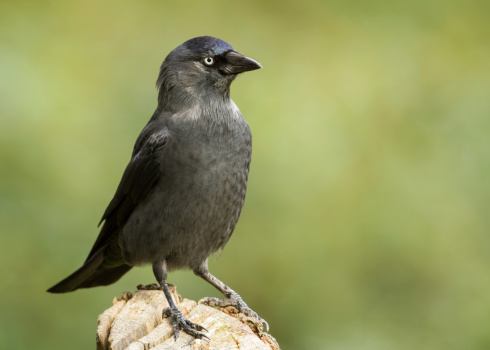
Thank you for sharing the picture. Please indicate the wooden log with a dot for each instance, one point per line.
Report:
(134, 322)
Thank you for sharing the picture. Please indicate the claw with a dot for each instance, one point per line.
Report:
(265, 323)
(236, 301)
(196, 326)
(180, 322)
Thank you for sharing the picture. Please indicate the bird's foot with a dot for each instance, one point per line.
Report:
(152, 286)
(236, 301)
(180, 322)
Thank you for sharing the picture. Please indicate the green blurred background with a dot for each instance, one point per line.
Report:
(366, 224)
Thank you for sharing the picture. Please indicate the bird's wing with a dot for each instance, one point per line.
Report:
(139, 177)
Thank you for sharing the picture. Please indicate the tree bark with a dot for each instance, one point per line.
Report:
(134, 322)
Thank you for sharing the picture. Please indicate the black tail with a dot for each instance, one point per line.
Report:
(93, 273)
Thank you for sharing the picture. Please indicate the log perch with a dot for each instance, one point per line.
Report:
(134, 322)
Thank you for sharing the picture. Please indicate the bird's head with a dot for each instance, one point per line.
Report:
(201, 68)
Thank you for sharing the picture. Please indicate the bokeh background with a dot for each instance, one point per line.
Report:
(366, 223)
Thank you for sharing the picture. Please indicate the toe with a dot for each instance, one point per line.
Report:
(196, 326)
(167, 312)
(181, 323)
(189, 327)
(176, 331)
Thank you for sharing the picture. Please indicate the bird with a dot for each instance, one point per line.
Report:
(180, 196)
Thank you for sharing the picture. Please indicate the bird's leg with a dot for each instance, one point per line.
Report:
(178, 319)
(233, 299)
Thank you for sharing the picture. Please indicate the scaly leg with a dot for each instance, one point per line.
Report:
(178, 319)
(233, 299)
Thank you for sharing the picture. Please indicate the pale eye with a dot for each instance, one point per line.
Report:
(208, 61)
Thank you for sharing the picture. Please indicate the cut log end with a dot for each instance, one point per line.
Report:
(134, 322)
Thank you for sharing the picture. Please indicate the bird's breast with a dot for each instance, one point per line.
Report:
(199, 195)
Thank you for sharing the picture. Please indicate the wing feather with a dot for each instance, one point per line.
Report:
(140, 176)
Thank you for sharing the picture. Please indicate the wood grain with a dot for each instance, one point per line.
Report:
(134, 322)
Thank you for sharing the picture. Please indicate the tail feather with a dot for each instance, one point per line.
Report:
(93, 273)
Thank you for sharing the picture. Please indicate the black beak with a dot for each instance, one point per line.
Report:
(237, 63)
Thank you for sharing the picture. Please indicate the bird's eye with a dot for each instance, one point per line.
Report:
(208, 61)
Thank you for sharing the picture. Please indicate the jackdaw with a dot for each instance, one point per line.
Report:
(182, 192)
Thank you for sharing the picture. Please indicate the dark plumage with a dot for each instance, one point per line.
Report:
(181, 194)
